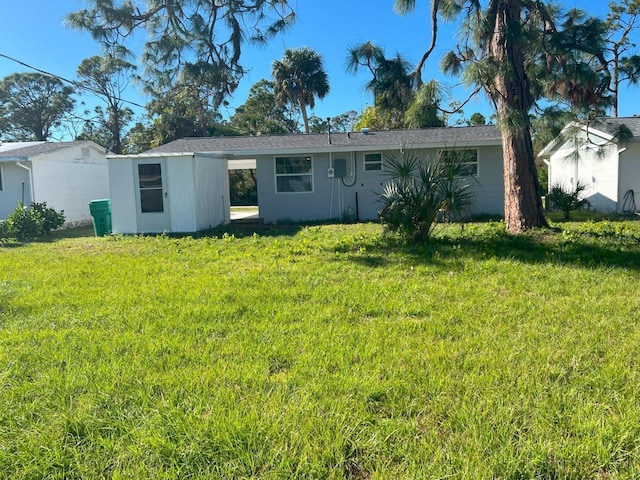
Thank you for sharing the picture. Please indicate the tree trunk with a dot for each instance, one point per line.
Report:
(522, 203)
(615, 81)
(303, 109)
(510, 91)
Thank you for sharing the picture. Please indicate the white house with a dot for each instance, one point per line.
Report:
(65, 175)
(299, 177)
(594, 156)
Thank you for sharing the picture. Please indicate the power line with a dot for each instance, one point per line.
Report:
(72, 82)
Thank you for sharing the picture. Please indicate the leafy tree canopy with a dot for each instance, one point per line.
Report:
(107, 77)
(33, 106)
(181, 35)
(261, 115)
(399, 100)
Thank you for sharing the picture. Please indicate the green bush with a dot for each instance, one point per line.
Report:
(567, 200)
(420, 194)
(50, 218)
(30, 223)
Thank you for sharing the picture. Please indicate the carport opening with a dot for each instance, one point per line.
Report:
(243, 190)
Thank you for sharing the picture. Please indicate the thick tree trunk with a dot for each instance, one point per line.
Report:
(510, 91)
(522, 204)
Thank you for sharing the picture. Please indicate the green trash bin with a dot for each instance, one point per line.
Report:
(101, 213)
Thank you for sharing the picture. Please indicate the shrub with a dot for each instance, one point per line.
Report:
(420, 194)
(567, 200)
(50, 218)
(30, 223)
(24, 223)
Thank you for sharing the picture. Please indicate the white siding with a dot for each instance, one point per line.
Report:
(629, 164)
(211, 184)
(123, 195)
(16, 189)
(68, 181)
(181, 194)
(197, 193)
(594, 167)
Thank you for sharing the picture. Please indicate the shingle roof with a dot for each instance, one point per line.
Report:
(5, 147)
(445, 136)
(25, 152)
(610, 124)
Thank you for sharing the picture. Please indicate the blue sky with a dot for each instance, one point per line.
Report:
(33, 32)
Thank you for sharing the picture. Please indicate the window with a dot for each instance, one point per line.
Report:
(372, 162)
(294, 174)
(1, 179)
(468, 158)
(150, 179)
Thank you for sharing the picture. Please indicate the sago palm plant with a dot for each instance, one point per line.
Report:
(420, 194)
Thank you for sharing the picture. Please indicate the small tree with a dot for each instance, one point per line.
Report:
(567, 200)
(30, 223)
(420, 194)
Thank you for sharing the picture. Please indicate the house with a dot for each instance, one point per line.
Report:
(604, 157)
(183, 186)
(65, 175)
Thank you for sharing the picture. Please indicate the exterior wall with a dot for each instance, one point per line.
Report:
(14, 180)
(331, 198)
(211, 182)
(123, 195)
(629, 178)
(595, 168)
(180, 194)
(328, 200)
(69, 180)
(197, 193)
(489, 189)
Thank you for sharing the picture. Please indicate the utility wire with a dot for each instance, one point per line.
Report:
(72, 82)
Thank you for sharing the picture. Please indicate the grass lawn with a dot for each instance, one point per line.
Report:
(323, 352)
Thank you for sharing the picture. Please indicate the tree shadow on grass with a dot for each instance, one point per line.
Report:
(551, 246)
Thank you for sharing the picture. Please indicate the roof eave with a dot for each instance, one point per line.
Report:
(315, 150)
(560, 139)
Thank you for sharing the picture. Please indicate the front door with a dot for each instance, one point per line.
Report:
(151, 199)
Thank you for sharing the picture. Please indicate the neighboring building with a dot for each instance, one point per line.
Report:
(183, 186)
(65, 175)
(593, 156)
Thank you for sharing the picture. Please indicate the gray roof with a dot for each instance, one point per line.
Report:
(418, 138)
(24, 153)
(607, 125)
(610, 124)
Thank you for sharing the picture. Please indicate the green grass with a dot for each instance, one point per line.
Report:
(323, 352)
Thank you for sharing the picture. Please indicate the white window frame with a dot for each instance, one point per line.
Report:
(370, 163)
(476, 163)
(296, 174)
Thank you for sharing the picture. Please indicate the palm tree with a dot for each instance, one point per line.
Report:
(399, 100)
(298, 78)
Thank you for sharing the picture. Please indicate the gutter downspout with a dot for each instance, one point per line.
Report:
(33, 197)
